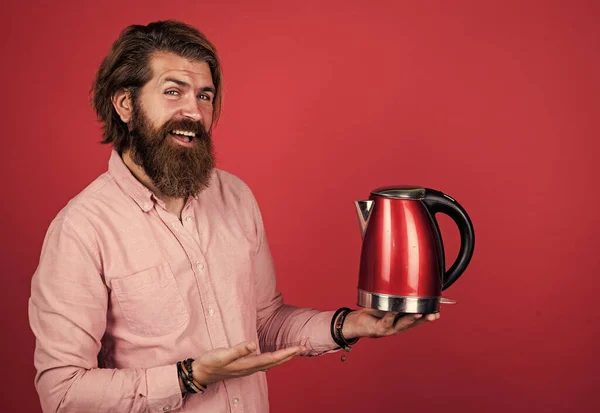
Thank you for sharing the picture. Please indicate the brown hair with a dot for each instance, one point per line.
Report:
(127, 66)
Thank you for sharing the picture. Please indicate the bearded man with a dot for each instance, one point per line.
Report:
(155, 289)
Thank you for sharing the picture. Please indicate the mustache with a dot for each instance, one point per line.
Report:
(186, 124)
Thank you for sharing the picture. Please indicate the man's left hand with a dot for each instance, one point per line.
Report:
(376, 324)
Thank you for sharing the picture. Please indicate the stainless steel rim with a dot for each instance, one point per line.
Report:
(398, 304)
(400, 192)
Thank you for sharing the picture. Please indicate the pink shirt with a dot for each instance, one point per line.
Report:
(124, 290)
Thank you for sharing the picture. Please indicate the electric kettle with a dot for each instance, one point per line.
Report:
(402, 261)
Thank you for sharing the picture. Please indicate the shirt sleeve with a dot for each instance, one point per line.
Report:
(281, 325)
(67, 314)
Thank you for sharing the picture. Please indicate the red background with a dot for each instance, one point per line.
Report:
(495, 103)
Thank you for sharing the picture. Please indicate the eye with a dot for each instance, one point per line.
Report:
(172, 92)
(204, 97)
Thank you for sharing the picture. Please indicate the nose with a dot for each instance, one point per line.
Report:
(191, 110)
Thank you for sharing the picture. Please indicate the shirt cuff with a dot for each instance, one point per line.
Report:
(164, 393)
(321, 341)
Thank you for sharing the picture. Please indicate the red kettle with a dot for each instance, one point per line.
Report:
(402, 262)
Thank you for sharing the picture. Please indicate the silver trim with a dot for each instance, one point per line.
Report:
(363, 211)
(400, 192)
(397, 304)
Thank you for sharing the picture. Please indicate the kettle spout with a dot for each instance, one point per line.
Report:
(363, 210)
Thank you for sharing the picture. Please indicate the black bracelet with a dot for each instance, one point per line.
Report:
(187, 363)
(337, 323)
(187, 383)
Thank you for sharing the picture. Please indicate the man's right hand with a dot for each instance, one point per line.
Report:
(240, 360)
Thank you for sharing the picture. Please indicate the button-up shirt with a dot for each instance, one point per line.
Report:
(125, 289)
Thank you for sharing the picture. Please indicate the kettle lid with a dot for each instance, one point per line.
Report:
(400, 192)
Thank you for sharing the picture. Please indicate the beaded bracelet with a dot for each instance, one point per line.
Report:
(184, 369)
(188, 366)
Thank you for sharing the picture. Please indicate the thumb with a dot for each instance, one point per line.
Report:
(238, 351)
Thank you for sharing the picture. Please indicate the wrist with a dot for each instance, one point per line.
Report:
(349, 329)
(199, 374)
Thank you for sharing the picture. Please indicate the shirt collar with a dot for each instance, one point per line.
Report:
(129, 183)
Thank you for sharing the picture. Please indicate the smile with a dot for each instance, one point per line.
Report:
(183, 135)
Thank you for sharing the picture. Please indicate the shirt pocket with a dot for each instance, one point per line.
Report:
(151, 301)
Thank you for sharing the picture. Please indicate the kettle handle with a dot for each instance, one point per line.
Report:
(437, 201)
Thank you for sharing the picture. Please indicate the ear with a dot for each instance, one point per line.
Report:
(123, 104)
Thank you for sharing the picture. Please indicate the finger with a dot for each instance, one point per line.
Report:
(262, 360)
(237, 352)
(433, 316)
(406, 321)
(266, 366)
(388, 320)
(428, 318)
(279, 363)
(389, 326)
(417, 322)
(404, 315)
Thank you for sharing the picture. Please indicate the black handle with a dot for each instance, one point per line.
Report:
(437, 201)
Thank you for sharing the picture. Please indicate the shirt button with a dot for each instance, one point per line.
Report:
(236, 401)
(199, 265)
(146, 206)
(211, 310)
(188, 218)
(166, 408)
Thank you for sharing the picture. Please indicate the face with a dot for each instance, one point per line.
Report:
(170, 126)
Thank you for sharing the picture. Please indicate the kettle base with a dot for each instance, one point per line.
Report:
(398, 304)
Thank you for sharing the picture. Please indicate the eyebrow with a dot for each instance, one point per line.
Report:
(187, 85)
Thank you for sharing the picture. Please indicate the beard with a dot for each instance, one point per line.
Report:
(176, 171)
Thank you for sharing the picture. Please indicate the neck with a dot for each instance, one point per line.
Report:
(174, 205)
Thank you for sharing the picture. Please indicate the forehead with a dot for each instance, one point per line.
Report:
(169, 64)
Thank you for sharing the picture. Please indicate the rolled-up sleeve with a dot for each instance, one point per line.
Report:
(282, 325)
(67, 314)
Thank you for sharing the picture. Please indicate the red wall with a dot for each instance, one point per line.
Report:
(495, 103)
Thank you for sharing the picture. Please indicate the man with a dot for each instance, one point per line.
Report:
(163, 258)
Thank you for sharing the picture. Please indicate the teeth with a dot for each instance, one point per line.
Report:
(185, 133)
